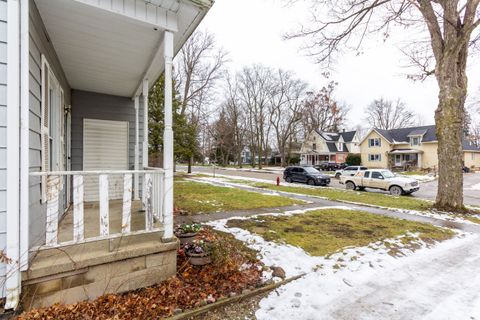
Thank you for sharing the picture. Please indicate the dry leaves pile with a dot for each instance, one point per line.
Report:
(234, 269)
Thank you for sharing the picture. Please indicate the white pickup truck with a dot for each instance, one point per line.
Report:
(380, 179)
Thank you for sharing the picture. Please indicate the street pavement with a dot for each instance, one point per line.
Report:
(428, 190)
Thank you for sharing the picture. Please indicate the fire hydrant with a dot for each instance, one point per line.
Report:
(278, 181)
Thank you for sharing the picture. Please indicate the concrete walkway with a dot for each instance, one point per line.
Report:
(317, 202)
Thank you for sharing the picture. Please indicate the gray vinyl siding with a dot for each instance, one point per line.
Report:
(90, 105)
(3, 134)
(39, 44)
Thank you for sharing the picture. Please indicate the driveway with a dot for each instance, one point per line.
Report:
(428, 190)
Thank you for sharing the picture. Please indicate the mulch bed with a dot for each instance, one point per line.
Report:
(234, 269)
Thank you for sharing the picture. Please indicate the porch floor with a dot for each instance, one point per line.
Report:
(92, 220)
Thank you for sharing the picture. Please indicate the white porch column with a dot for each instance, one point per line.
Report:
(145, 123)
(13, 278)
(137, 147)
(168, 138)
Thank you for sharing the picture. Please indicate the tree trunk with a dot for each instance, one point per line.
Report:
(449, 125)
(190, 162)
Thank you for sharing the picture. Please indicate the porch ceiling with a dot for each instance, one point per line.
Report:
(108, 52)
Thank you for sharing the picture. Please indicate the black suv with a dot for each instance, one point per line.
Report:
(307, 175)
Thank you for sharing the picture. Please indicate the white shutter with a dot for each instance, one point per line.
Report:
(45, 132)
(105, 147)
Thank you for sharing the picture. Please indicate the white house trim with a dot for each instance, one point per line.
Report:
(137, 146)
(161, 16)
(168, 138)
(25, 132)
(13, 278)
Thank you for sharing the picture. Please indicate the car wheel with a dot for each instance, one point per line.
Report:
(310, 182)
(350, 185)
(337, 175)
(396, 191)
(288, 179)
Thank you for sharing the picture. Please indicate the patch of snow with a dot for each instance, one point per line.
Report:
(420, 178)
(434, 283)
(475, 187)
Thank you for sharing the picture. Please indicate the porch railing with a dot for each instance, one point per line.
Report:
(152, 200)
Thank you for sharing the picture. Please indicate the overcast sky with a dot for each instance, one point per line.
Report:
(251, 31)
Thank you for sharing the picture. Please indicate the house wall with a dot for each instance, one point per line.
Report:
(39, 44)
(314, 138)
(3, 134)
(472, 159)
(429, 155)
(103, 107)
(382, 150)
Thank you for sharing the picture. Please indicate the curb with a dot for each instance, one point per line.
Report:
(227, 301)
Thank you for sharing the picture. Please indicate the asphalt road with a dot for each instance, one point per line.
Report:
(428, 190)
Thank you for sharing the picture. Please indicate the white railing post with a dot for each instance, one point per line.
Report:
(53, 189)
(148, 204)
(127, 203)
(168, 139)
(78, 223)
(104, 204)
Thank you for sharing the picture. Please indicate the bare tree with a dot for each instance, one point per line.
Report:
(199, 66)
(286, 100)
(386, 114)
(255, 86)
(452, 27)
(322, 112)
(235, 115)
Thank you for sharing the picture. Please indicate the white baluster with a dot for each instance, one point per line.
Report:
(127, 203)
(53, 189)
(78, 223)
(104, 204)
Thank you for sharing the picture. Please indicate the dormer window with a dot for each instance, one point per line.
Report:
(415, 141)
(340, 146)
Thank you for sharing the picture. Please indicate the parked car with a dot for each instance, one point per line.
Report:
(380, 179)
(349, 171)
(326, 166)
(308, 175)
(465, 169)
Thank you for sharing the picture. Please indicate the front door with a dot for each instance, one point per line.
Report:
(398, 160)
(105, 148)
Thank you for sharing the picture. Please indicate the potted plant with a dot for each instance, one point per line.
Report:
(198, 252)
(187, 232)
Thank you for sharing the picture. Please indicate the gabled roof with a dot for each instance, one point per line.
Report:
(397, 136)
(334, 136)
(402, 135)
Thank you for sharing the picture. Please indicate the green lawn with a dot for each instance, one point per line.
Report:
(196, 197)
(324, 232)
(373, 198)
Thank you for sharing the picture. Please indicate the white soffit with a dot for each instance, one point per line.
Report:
(107, 52)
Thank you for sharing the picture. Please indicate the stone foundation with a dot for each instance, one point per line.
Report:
(66, 277)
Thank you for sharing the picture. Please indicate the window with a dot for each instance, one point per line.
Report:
(414, 141)
(314, 146)
(374, 157)
(340, 146)
(367, 174)
(376, 175)
(52, 124)
(375, 142)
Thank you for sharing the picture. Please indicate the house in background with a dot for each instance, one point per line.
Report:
(328, 146)
(414, 147)
(81, 213)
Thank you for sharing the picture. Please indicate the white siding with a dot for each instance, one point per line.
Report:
(3, 129)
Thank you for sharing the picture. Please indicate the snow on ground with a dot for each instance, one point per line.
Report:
(475, 187)
(419, 178)
(437, 283)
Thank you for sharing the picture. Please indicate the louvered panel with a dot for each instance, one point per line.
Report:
(105, 147)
